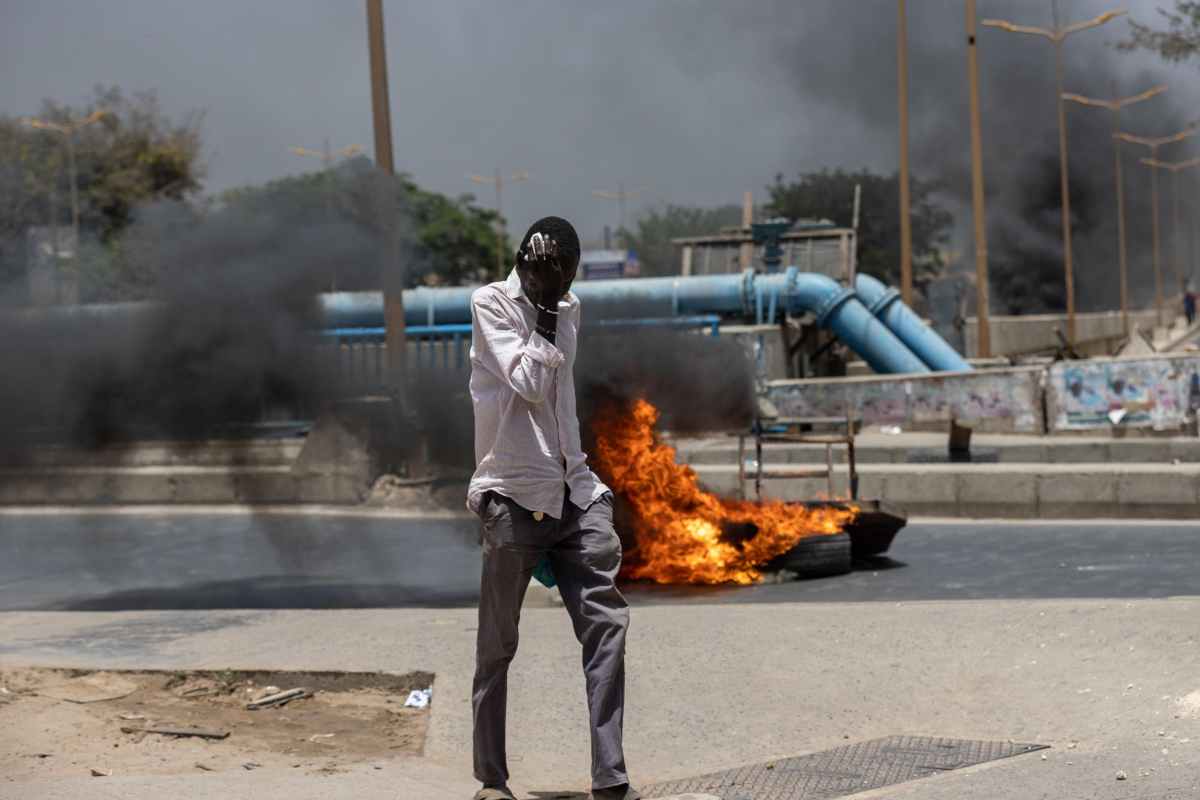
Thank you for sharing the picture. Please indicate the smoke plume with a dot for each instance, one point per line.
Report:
(836, 63)
(227, 337)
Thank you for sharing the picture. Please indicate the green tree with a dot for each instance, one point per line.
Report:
(651, 240)
(436, 235)
(1181, 39)
(830, 195)
(457, 235)
(131, 156)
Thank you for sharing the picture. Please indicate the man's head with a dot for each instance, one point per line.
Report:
(533, 270)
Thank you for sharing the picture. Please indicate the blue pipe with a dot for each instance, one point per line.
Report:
(746, 294)
(710, 321)
(422, 306)
(631, 297)
(886, 304)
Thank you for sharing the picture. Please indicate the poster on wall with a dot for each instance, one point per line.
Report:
(1146, 393)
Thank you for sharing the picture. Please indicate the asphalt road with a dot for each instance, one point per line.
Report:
(171, 560)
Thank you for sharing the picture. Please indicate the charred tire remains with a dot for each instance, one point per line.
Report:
(819, 556)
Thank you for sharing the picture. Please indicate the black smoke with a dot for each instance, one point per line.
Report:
(227, 336)
(698, 383)
(835, 63)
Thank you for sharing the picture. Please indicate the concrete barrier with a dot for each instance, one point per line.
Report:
(994, 401)
(1160, 392)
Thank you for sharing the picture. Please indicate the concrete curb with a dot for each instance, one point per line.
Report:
(1005, 450)
(211, 453)
(1006, 491)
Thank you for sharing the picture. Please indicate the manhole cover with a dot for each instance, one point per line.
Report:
(844, 770)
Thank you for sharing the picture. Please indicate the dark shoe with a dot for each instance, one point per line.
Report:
(494, 793)
(623, 792)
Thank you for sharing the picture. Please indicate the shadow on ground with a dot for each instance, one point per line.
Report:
(273, 592)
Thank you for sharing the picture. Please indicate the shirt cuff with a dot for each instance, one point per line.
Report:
(543, 352)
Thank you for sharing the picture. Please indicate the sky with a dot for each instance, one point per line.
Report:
(689, 102)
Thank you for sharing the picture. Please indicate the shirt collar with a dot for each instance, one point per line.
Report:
(512, 288)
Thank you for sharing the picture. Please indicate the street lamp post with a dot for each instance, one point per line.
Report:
(328, 156)
(1174, 168)
(498, 181)
(905, 196)
(620, 195)
(67, 129)
(1154, 144)
(1057, 36)
(1115, 107)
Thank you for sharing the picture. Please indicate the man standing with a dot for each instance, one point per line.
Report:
(540, 504)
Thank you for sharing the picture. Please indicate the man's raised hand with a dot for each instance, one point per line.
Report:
(545, 269)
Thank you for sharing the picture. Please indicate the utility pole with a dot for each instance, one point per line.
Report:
(1057, 36)
(905, 198)
(517, 177)
(1115, 107)
(1158, 282)
(984, 346)
(393, 286)
(746, 251)
(380, 109)
(1192, 235)
(1175, 249)
(1154, 144)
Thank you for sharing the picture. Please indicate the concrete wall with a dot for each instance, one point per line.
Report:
(999, 401)
(1153, 392)
(1096, 333)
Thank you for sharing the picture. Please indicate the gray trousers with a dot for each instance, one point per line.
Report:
(586, 555)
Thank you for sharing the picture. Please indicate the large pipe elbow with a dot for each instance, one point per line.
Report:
(838, 308)
(885, 303)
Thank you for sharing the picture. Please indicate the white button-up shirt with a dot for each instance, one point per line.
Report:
(527, 444)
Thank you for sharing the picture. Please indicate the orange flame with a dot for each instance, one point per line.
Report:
(679, 526)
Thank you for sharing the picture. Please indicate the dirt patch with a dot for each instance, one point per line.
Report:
(71, 722)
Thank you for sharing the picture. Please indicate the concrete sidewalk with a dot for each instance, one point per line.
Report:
(1110, 685)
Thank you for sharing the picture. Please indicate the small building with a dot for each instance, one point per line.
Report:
(811, 245)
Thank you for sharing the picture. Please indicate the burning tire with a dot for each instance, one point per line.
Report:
(816, 557)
